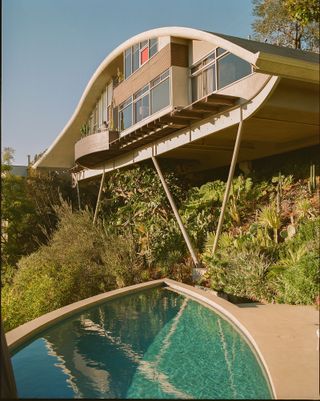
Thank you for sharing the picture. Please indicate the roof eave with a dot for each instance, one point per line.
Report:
(287, 67)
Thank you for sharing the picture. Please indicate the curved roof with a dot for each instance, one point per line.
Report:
(266, 58)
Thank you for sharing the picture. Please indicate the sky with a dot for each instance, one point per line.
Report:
(51, 48)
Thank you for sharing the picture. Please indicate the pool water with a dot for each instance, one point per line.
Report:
(152, 344)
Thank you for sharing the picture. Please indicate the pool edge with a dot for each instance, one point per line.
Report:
(23, 333)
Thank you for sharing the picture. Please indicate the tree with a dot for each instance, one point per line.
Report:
(17, 218)
(7, 156)
(305, 11)
(290, 23)
(27, 209)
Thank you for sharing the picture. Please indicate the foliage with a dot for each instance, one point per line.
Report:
(296, 274)
(287, 23)
(27, 209)
(201, 209)
(135, 201)
(7, 156)
(267, 250)
(305, 11)
(255, 255)
(269, 218)
(243, 273)
(79, 261)
(18, 218)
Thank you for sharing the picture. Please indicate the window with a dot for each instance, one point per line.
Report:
(153, 47)
(128, 65)
(230, 69)
(160, 92)
(125, 114)
(203, 79)
(135, 57)
(216, 71)
(144, 55)
(146, 101)
(138, 54)
(141, 104)
(220, 51)
(100, 113)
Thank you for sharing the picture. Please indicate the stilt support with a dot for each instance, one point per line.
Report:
(78, 195)
(99, 198)
(229, 182)
(176, 213)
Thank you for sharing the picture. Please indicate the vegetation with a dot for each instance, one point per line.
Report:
(290, 23)
(27, 211)
(80, 260)
(268, 250)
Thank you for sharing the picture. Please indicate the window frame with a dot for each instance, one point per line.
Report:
(201, 66)
(142, 46)
(145, 91)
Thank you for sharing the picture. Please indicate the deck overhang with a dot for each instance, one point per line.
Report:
(268, 59)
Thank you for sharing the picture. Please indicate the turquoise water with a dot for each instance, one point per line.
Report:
(153, 344)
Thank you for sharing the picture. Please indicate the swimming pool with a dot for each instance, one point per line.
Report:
(152, 344)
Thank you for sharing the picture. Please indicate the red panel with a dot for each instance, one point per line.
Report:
(144, 55)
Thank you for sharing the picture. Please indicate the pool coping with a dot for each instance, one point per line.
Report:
(231, 312)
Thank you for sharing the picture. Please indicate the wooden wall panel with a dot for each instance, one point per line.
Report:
(179, 55)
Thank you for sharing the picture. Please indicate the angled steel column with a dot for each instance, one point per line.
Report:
(176, 213)
(78, 195)
(98, 199)
(229, 182)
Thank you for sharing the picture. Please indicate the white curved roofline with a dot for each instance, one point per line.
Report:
(180, 32)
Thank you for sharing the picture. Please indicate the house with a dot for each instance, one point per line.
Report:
(180, 93)
(190, 95)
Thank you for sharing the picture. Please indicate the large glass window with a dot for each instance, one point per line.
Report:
(209, 80)
(125, 114)
(216, 71)
(141, 104)
(146, 101)
(160, 92)
(230, 69)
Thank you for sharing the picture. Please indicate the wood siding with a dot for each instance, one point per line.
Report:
(179, 55)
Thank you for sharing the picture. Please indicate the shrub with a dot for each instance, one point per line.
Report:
(296, 276)
(80, 260)
(243, 273)
(299, 283)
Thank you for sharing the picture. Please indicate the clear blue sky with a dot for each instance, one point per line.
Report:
(50, 49)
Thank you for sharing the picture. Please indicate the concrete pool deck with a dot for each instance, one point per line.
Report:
(285, 336)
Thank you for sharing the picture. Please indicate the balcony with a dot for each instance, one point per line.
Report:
(94, 149)
(179, 118)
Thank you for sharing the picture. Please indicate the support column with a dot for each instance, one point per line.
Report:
(99, 198)
(176, 213)
(78, 196)
(229, 182)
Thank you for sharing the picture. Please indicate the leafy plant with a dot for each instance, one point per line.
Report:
(243, 273)
(84, 130)
(269, 218)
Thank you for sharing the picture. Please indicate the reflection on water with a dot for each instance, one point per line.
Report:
(153, 344)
